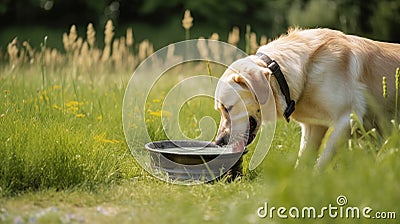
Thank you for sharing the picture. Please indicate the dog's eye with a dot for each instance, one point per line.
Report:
(228, 109)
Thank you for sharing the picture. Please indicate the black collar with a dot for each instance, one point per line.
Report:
(276, 71)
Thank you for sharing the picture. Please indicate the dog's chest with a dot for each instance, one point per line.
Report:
(312, 115)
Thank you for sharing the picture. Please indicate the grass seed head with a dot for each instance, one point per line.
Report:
(263, 40)
(145, 49)
(90, 35)
(129, 37)
(66, 42)
(384, 87)
(69, 40)
(12, 50)
(108, 32)
(214, 36)
(106, 53)
(29, 51)
(397, 77)
(253, 42)
(187, 21)
(234, 36)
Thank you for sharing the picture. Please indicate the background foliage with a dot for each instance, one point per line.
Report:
(377, 19)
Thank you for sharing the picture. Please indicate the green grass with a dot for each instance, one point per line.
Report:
(63, 158)
(65, 135)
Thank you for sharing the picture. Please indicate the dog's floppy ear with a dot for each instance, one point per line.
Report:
(257, 82)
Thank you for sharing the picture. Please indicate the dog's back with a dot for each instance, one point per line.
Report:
(377, 60)
(364, 60)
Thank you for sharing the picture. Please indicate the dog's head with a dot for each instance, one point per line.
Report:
(240, 91)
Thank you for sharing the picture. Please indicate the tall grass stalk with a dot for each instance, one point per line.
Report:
(397, 78)
(187, 23)
(43, 47)
(209, 71)
(247, 38)
(388, 136)
(384, 87)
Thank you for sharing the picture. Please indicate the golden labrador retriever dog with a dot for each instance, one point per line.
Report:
(318, 77)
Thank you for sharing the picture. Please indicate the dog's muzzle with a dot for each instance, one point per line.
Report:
(252, 130)
(223, 139)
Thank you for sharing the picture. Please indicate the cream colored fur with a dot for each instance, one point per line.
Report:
(330, 75)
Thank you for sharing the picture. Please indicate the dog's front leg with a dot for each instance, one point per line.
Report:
(341, 130)
(311, 138)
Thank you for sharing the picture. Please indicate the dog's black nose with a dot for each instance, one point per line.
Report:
(220, 141)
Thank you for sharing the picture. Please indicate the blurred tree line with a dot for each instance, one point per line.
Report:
(379, 19)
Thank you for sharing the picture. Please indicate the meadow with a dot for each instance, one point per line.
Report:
(64, 158)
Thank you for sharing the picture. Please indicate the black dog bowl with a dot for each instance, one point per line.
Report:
(194, 160)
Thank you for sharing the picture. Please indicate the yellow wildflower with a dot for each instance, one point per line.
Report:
(55, 106)
(73, 103)
(102, 138)
(160, 113)
(43, 96)
(73, 109)
(80, 115)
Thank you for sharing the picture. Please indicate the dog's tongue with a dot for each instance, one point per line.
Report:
(238, 146)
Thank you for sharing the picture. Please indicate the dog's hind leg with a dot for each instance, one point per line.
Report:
(311, 138)
(340, 132)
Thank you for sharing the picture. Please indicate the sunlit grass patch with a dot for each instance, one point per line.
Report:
(53, 137)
